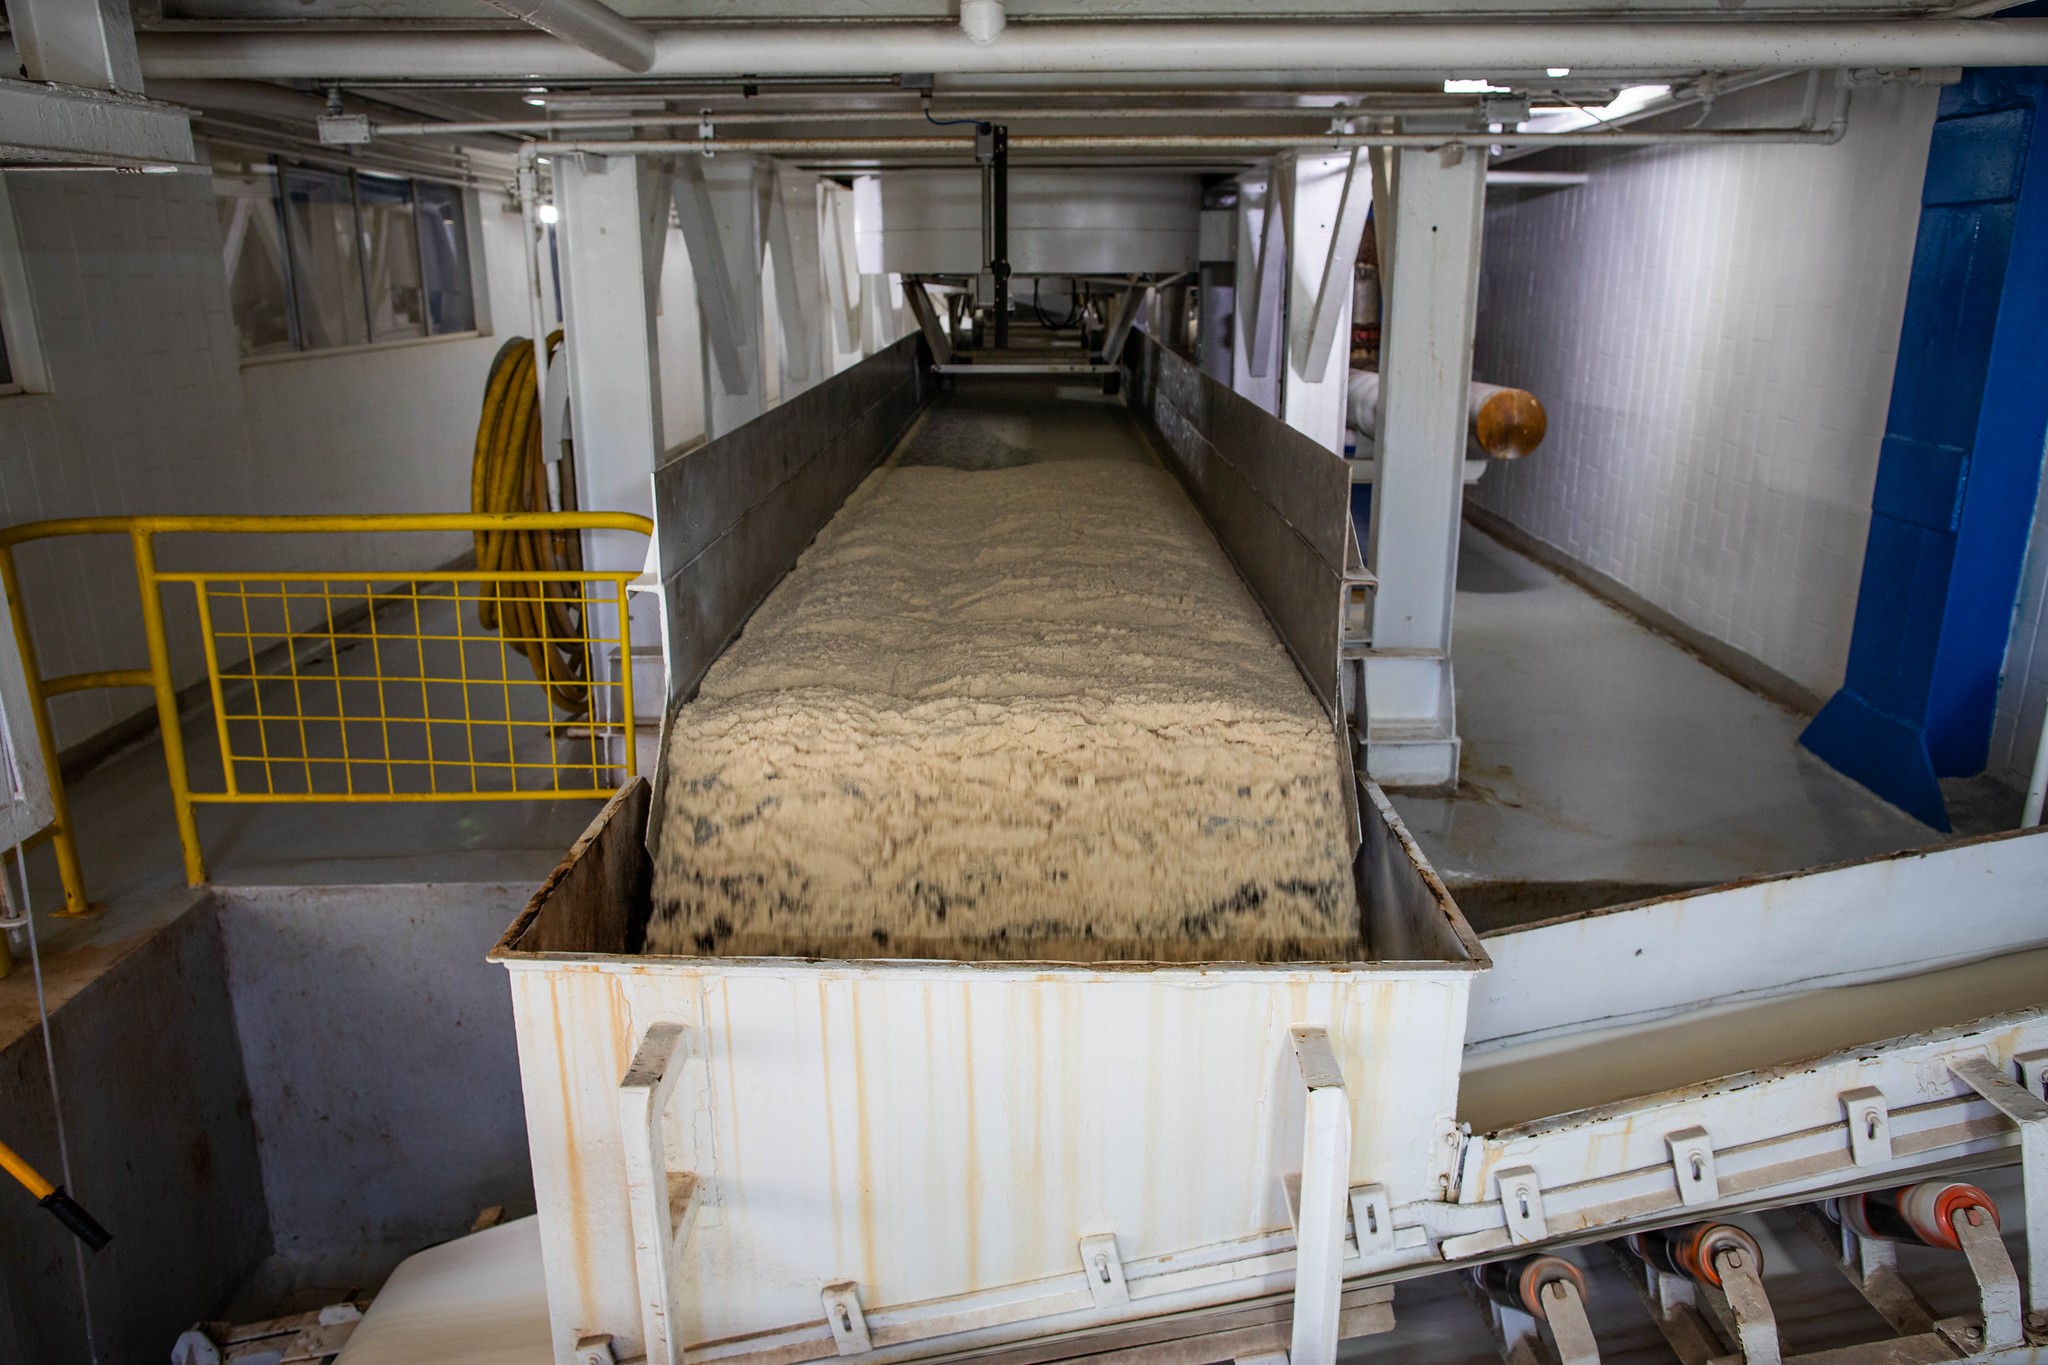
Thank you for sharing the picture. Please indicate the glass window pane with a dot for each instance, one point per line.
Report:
(327, 277)
(391, 258)
(252, 253)
(444, 259)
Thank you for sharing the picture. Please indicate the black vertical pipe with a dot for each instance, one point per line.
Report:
(1000, 266)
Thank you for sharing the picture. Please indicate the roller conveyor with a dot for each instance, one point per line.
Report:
(779, 1160)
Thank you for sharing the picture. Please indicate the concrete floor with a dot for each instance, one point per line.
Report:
(1603, 763)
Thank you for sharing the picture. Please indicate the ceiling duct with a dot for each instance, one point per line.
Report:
(590, 26)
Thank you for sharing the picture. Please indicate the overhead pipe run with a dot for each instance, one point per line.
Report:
(589, 25)
(773, 50)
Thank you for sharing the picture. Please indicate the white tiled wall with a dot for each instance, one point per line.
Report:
(1712, 330)
(2023, 691)
(151, 410)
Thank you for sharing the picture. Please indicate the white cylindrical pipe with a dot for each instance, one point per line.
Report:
(1500, 423)
(1471, 49)
(590, 25)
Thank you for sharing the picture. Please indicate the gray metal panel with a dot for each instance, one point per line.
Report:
(1278, 501)
(731, 517)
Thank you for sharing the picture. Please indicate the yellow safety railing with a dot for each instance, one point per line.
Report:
(365, 685)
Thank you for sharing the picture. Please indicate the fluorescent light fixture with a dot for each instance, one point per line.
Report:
(1480, 87)
(536, 101)
(548, 214)
(543, 161)
(1557, 72)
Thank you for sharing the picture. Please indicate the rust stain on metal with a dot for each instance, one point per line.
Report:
(863, 1143)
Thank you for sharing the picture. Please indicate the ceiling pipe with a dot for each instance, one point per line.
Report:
(767, 50)
(590, 25)
(979, 113)
(982, 20)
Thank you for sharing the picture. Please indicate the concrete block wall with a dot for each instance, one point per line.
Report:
(1712, 330)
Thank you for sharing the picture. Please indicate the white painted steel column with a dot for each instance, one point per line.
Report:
(1325, 222)
(842, 274)
(718, 201)
(1254, 367)
(609, 328)
(1425, 368)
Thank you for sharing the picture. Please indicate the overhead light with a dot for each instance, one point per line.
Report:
(1481, 87)
(543, 160)
(548, 214)
(537, 89)
(536, 101)
(1630, 101)
(1557, 72)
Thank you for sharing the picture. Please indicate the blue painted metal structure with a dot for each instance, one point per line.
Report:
(1962, 455)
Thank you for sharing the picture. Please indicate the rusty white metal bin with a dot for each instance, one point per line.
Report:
(779, 1159)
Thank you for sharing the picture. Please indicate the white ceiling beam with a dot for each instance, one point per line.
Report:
(1386, 47)
(590, 25)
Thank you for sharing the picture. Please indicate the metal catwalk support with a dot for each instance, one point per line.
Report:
(1426, 366)
(610, 231)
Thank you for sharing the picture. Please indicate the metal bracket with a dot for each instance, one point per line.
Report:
(1692, 1162)
(2029, 1113)
(1521, 1202)
(1105, 1271)
(1565, 1311)
(1325, 1190)
(595, 1350)
(2033, 1069)
(1998, 1284)
(1870, 1126)
(1756, 1324)
(1872, 1267)
(1372, 1221)
(843, 1315)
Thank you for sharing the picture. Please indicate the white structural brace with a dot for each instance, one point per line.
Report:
(1325, 1194)
(2029, 1112)
(662, 1202)
(1471, 49)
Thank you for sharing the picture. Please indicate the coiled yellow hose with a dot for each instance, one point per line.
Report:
(543, 619)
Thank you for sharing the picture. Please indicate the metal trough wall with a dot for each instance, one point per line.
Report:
(724, 1147)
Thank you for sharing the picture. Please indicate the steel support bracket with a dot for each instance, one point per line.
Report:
(1692, 1163)
(2029, 1113)
(1521, 1203)
(1870, 1126)
(1755, 1322)
(1372, 1221)
(1323, 1201)
(1105, 1270)
(843, 1315)
(1565, 1311)
(661, 1202)
(1998, 1284)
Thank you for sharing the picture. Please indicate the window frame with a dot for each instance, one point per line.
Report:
(469, 241)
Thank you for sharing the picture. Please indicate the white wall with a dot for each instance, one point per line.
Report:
(151, 410)
(2023, 690)
(1712, 330)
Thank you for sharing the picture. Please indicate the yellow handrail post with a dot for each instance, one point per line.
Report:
(167, 701)
(69, 870)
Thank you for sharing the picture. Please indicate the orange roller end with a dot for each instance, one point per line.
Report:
(1510, 424)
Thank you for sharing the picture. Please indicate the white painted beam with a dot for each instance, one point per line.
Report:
(1325, 219)
(718, 204)
(89, 43)
(1425, 369)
